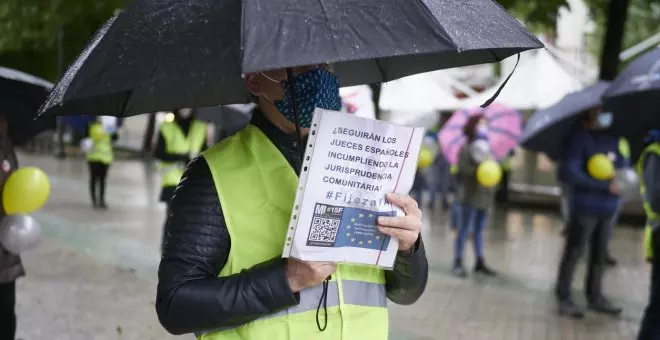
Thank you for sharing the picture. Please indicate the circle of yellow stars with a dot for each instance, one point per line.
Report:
(348, 227)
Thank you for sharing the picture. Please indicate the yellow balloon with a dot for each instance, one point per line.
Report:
(425, 158)
(489, 173)
(25, 191)
(600, 167)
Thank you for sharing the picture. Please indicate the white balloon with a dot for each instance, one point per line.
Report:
(480, 151)
(19, 233)
(86, 144)
(628, 183)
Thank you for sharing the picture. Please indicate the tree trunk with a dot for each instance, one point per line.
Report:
(617, 12)
(149, 135)
(375, 97)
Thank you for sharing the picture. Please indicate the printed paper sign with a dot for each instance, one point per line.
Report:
(350, 164)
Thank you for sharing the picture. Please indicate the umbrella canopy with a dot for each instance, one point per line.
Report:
(634, 96)
(159, 55)
(227, 119)
(545, 131)
(504, 129)
(21, 94)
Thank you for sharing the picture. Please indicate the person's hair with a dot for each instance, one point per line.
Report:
(470, 128)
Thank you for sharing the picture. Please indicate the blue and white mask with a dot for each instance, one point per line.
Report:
(315, 88)
(605, 120)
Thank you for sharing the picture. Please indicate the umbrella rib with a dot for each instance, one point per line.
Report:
(428, 11)
(505, 132)
(327, 25)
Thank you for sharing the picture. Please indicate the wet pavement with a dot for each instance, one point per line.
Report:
(94, 275)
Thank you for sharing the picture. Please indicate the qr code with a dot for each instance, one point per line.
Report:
(323, 232)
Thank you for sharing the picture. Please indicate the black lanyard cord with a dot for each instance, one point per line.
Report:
(324, 301)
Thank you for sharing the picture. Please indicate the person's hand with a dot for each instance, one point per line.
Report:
(406, 228)
(614, 188)
(302, 275)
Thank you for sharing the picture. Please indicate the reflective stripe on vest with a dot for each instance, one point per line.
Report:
(102, 144)
(652, 217)
(176, 142)
(257, 187)
(355, 293)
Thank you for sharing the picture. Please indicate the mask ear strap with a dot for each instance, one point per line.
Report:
(294, 105)
(269, 78)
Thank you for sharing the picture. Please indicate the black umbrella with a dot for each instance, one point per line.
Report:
(159, 55)
(545, 131)
(634, 97)
(21, 94)
(227, 119)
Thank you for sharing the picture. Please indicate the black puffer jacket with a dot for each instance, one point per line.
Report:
(191, 296)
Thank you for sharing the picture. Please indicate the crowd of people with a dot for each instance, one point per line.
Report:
(211, 249)
(590, 208)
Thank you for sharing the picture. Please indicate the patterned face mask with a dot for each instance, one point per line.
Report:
(315, 88)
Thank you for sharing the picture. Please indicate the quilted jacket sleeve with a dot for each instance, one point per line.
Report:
(406, 282)
(191, 297)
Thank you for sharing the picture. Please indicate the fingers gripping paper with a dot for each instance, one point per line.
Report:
(350, 164)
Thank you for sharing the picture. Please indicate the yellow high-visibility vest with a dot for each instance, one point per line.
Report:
(176, 142)
(257, 188)
(101, 144)
(651, 216)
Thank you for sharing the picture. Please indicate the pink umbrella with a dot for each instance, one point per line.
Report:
(504, 130)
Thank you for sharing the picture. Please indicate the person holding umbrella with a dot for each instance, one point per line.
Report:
(550, 131)
(593, 204)
(221, 274)
(181, 138)
(236, 192)
(648, 168)
(492, 131)
(474, 200)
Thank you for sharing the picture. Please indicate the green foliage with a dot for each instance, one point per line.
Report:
(539, 15)
(642, 23)
(30, 31)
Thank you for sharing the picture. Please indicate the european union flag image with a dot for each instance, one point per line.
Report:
(358, 229)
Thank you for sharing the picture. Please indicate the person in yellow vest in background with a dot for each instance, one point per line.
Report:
(98, 145)
(648, 168)
(181, 138)
(222, 275)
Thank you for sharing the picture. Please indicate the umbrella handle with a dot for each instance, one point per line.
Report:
(294, 104)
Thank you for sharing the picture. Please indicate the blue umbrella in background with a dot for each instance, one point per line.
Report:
(78, 123)
(546, 130)
(634, 97)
